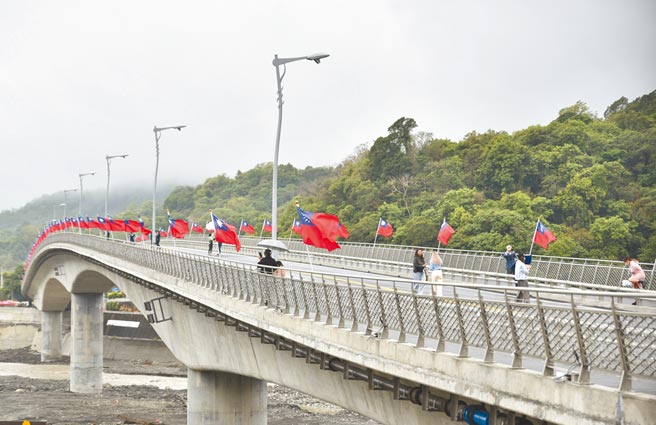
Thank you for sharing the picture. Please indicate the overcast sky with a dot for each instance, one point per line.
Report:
(83, 79)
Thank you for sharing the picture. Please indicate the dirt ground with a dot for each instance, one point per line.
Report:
(51, 401)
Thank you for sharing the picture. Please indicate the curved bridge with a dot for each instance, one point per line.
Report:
(371, 344)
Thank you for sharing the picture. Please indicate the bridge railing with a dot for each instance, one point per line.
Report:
(583, 270)
(618, 340)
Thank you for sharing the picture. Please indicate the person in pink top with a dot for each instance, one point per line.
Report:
(637, 278)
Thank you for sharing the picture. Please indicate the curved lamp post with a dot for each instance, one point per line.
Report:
(274, 242)
(109, 158)
(158, 131)
(79, 209)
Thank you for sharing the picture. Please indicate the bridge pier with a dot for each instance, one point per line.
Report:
(86, 343)
(51, 336)
(224, 398)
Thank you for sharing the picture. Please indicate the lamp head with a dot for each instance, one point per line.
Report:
(317, 57)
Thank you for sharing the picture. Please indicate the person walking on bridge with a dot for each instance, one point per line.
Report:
(510, 257)
(435, 267)
(521, 278)
(267, 263)
(418, 270)
(210, 239)
(638, 277)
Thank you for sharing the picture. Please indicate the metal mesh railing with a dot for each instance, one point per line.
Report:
(612, 339)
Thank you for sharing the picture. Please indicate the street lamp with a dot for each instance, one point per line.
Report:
(79, 209)
(65, 192)
(109, 158)
(158, 131)
(54, 208)
(274, 243)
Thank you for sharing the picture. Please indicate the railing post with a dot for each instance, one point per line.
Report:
(584, 372)
(464, 346)
(548, 368)
(340, 321)
(329, 315)
(486, 329)
(354, 313)
(383, 317)
(420, 328)
(438, 321)
(625, 381)
(399, 311)
(365, 298)
(517, 353)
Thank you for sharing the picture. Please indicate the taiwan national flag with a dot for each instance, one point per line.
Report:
(446, 231)
(248, 228)
(116, 226)
(163, 233)
(266, 226)
(225, 233)
(178, 228)
(132, 226)
(82, 222)
(92, 224)
(196, 228)
(319, 229)
(142, 226)
(543, 235)
(103, 225)
(384, 228)
(296, 227)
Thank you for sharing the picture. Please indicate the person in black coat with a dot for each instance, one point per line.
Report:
(267, 263)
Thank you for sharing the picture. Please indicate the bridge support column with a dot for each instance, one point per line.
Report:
(51, 336)
(86, 343)
(225, 398)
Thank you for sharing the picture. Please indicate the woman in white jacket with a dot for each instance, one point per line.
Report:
(521, 278)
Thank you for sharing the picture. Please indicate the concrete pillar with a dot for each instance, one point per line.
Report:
(225, 398)
(51, 336)
(86, 343)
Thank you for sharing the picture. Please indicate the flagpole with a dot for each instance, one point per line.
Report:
(291, 230)
(530, 251)
(240, 224)
(376, 237)
(309, 258)
(262, 229)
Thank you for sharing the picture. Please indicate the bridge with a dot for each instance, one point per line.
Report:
(579, 352)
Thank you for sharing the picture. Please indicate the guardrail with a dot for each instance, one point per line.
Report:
(618, 340)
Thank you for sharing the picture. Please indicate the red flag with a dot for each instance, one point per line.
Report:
(296, 227)
(196, 228)
(92, 224)
(384, 228)
(543, 236)
(142, 226)
(132, 226)
(342, 231)
(178, 228)
(224, 232)
(266, 226)
(163, 233)
(319, 229)
(103, 225)
(116, 226)
(446, 231)
(248, 228)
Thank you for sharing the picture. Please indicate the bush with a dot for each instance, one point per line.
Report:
(112, 306)
(117, 294)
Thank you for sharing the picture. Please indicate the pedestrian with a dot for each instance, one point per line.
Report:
(157, 238)
(131, 237)
(210, 238)
(521, 278)
(280, 272)
(218, 246)
(267, 263)
(418, 269)
(435, 267)
(510, 257)
(637, 279)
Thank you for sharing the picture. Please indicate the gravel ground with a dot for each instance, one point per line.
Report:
(50, 400)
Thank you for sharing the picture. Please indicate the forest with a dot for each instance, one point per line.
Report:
(590, 179)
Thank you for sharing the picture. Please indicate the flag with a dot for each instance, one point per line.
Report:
(67, 223)
(223, 232)
(247, 228)
(319, 229)
(163, 233)
(92, 224)
(116, 226)
(196, 228)
(446, 231)
(102, 224)
(384, 228)
(342, 231)
(296, 227)
(142, 226)
(266, 226)
(132, 226)
(178, 228)
(543, 236)
(82, 222)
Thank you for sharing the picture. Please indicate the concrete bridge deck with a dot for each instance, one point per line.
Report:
(255, 328)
